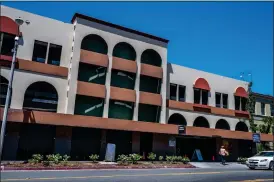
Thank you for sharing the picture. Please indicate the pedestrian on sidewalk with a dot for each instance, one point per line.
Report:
(222, 154)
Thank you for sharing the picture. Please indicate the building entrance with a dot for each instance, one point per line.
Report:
(187, 145)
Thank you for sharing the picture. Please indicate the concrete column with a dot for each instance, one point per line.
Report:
(136, 88)
(73, 75)
(103, 144)
(11, 141)
(231, 101)
(136, 142)
(108, 80)
(163, 118)
(63, 140)
(160, 145)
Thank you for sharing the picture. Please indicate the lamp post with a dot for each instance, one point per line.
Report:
(19, 22)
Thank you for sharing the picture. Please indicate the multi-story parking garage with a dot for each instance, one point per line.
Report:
(80, 85)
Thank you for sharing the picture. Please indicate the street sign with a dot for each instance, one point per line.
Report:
(256, 137)
(181, 129)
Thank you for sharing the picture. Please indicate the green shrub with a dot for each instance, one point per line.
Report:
(54, 158)
(179, 159)
(123, 159)
(65, 159)
(151, 156)
(171, 159)
(36, 158)
(185, 160)
(161, 158)
(94, 157)
(241, 159)
(134, 158)
(131, 158)
(174, 159)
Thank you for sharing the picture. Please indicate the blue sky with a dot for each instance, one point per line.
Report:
(225, 38)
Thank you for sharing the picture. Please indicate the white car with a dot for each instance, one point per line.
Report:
(262, 160)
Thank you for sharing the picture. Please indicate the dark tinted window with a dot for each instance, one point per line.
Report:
(39, 51)
(204, 97)
(173, 91)
(225, 99)
(7, 44)
(197, 96)
(182, 90)
(243, 103)
(218, 99)
(237, 103)
(262, 108)
(54, 54)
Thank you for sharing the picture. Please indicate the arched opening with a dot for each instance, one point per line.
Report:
(177, 119)
(3, 90)
(222, 124)
(41, 96)
(8, 30)
(151, 57)
(201, 122)
(241, 126)
(125, 51)
(94, 43)
(240, 97)
(201, 91)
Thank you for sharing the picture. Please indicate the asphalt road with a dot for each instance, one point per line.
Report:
(148, 175)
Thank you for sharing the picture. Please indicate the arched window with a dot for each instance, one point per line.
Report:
(125, 51)
(94, 43)
(240, 97)
(222, 124)
(201, 122)
(201, 90)
(151, 57)
(177, 119)
(41, 96)
(3, 89)
(241, 126)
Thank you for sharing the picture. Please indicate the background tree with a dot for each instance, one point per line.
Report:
(266, 127)
(250, 107)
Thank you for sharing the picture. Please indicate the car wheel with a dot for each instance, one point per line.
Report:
(271, 165)
(252, 168)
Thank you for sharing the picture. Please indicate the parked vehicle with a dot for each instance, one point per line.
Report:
(262, 160)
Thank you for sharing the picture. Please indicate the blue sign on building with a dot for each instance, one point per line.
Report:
(256, 137)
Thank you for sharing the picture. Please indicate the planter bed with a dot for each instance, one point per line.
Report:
(89, 165)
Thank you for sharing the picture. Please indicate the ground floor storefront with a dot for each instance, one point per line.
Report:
(24, 139)
(209, 147)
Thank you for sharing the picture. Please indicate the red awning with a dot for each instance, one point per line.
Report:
(8, 25)
(201, 83)
(240, 91)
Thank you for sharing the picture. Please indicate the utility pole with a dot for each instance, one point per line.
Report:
(19, 22)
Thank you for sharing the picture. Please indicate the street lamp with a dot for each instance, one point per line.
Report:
(19, 22)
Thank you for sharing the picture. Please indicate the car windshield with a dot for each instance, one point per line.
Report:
(265, 154)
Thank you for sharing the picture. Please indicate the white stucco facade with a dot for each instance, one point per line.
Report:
(70, 36)
(84, 28)
(187, 76)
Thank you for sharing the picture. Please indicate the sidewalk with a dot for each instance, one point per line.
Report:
(230, 165)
